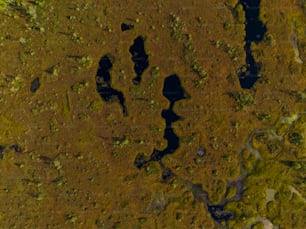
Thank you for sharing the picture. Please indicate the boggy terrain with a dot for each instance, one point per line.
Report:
(152, 114)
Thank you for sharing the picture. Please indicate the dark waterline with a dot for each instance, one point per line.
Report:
(255, 31)
(103, 84)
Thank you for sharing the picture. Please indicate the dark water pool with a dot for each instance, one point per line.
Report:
(255, 31)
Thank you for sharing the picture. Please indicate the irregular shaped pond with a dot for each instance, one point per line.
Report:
(139, 57)
(125, 27)
(173, 91)
(35, 84)
(103, 84)
(255, 31)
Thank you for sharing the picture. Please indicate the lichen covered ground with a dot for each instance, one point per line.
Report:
(68, 155)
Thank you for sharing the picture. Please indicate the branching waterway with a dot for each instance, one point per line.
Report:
(250, 157)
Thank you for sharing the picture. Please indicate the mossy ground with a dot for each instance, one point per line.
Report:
(74, 172)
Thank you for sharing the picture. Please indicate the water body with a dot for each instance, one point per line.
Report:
(139, 57)
(255, 31)
(174, 92)
(219, 214)
(125, 27)
(217, 211)
(35, 84)
(1, 151)
(5, 149)
(103, 84)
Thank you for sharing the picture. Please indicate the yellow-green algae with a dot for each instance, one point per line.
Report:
(275, 177)
(106, 191)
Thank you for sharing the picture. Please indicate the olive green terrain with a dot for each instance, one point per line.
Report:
(76, 165)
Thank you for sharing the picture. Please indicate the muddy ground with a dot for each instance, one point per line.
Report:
(68, 155)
